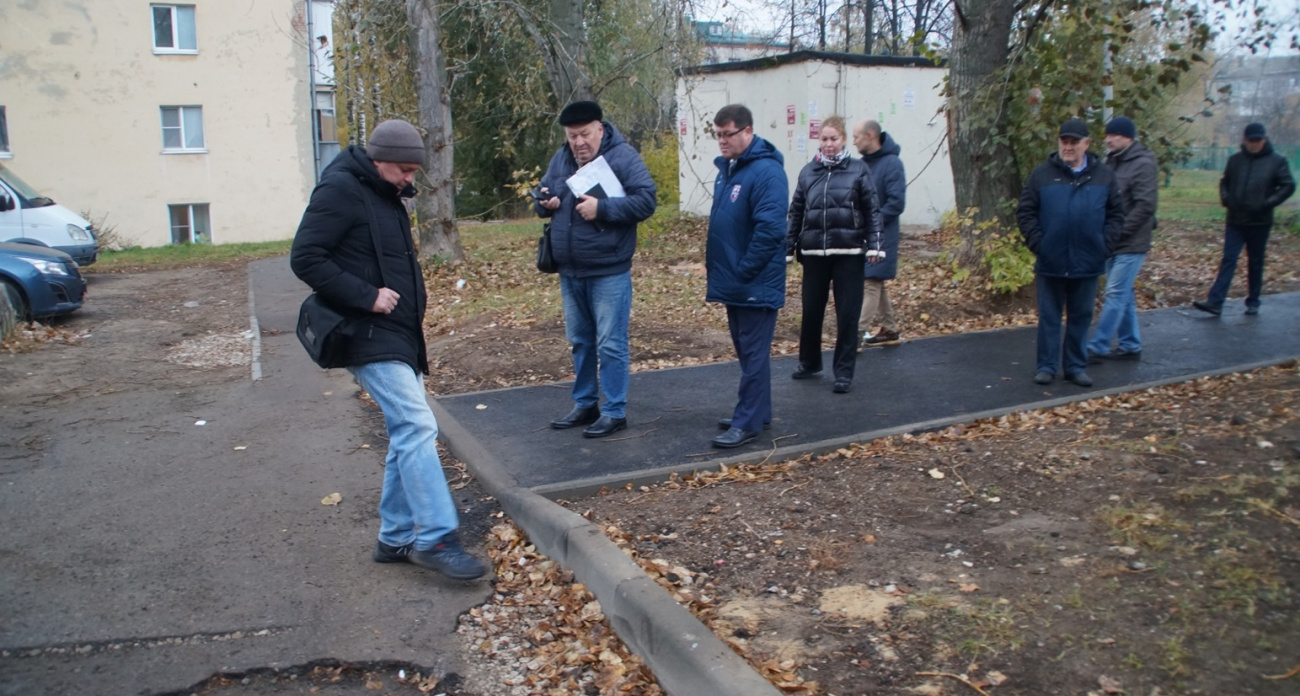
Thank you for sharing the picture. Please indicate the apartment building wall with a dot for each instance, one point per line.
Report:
(84, 86)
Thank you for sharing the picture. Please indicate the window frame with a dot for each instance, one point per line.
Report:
(175, 48)
(183, 149)
(190, 226)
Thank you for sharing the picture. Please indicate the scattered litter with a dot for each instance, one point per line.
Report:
(481, 407)
(331, 499)
(240, 448)
(191, 304)
(200, 422)
(936, 474)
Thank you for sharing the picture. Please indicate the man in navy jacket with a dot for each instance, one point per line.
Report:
(593, 236)
(1071, 216)
(745, 259)
(880, 152)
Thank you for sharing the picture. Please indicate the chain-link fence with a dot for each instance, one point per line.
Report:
(1215, 158)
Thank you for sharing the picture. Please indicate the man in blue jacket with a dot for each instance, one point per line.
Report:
(1255, 181)
(880, 152)
(593, 236)
(1071, 216)
(745, 259)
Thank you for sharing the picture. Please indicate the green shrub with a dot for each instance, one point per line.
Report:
(660, 155)
(988, 252)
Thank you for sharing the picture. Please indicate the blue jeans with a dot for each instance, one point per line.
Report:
(752, 329)
(1119, 319)
(1073, 298)
(415, 506)
(1255, 239)
(596, 313)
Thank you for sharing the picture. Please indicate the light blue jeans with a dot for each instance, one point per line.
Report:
(415, 506)
(596, 314)
(1118, 320)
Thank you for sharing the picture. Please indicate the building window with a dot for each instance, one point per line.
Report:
(182, 129)
(327, 131)
(4, 133)
(190, 224)
(173, 29)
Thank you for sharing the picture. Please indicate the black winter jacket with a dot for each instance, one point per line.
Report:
(1070, 220)
(334, 253)
(834, 210)
(891, 189)
(1138, 179)
(1253, 185)
(605, 245)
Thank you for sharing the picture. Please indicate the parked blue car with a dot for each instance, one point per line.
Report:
(40, 282)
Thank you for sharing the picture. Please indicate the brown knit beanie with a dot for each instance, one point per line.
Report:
(396, 141)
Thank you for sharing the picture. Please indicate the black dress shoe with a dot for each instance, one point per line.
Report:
(1080, 378)
(605, 426)
(1216, 310)
(578, 416)
(842, 386)
(734, 437)
(802, 372)
(1252, 311)
(725, 424)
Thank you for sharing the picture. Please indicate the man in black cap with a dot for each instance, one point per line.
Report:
(1137, 178)
(1255, 181)
(353, 247)
(1070, 215)
(593, 237)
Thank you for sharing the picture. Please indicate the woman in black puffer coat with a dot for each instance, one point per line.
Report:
(834, 221)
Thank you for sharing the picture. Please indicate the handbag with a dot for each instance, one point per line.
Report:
(545, 257)
(323, 331)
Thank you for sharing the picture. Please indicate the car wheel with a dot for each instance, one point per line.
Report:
(16, 300)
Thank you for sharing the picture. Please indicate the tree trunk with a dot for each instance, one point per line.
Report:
(868, 19)
(435, 206)
(984, 172)
(563, 50)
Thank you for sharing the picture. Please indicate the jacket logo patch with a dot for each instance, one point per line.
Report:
(735, 192)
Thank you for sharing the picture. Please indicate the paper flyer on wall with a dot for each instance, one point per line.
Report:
(597, 180)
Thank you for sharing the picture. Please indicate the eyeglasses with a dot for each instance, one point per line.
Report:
(723, 134)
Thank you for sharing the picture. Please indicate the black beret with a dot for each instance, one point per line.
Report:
(581, 112)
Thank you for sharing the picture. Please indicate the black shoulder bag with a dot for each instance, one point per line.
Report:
(545, 257)
(322, 329)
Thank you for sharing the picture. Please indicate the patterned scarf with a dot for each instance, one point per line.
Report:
(834, 159)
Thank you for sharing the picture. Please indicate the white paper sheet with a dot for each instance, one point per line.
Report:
(597, 179)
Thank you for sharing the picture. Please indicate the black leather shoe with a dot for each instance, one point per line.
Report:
(725, 424)
(1080, 378)
(734, 437)
(1252, 311)
(1043, 377)
(804, 373)
(1207, 307)
(605, 426)
(578, 416)
(842, 386)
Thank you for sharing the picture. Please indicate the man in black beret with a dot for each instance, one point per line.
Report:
(1070, 215)
(593, 237)
(1255, 181)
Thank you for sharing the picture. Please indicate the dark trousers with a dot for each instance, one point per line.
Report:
(1074, 298)
(752, 329)
(820, 274)
(1255, 239)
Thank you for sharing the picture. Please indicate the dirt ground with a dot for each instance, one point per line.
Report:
(1146, 545)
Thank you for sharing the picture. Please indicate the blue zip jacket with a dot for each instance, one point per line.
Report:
(745, 257)
(1071, 220)
(891, 189)
(605, 245)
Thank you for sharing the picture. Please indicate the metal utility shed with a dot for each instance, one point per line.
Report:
(790, 94)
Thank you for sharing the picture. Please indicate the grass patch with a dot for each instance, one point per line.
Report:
(136, 259)
(1192, 196)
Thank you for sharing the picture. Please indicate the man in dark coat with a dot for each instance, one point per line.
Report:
(1070, 215)
(880, 152)
(593, 236)
(354, 248)
(745, 259)
(1137, 178)
(1255, 181)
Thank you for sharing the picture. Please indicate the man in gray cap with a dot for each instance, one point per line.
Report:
(1070, 215)
(1255, 181)
(1137, 178)
(593, 237)
(354, 248)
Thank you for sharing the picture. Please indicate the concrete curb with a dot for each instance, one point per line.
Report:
(685, 656)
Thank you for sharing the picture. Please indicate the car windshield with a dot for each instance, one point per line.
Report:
(30, 198)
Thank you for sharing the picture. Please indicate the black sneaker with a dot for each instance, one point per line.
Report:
(804, 373)
(1043, 377)
(1216, 310)
(449, 558)
(1252, 311)
(884, 338)
(392, 554)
